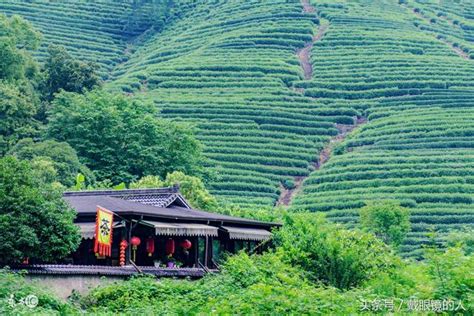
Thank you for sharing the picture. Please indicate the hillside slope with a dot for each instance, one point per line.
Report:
(98, 31)
(229, 67)
(417, 92)
(320, 104)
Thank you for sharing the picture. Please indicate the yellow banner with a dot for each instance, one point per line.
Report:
(103, 231)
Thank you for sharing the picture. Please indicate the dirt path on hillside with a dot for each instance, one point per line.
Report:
(304, 54)
(344, 130)
(307, 7)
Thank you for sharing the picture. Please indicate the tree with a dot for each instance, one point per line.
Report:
(18, 101)
(63, 72)
(387, 220)
(60, 154)
(121, 138)
(330, 254)
(35, 221)
(17, 111)
(16, 37)
(192, 188)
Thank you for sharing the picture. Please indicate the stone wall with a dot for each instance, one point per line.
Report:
(63, 285)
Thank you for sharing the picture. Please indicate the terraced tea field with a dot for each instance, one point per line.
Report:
(97, 31)
(233, 78)
(353, 100)
(450, 21)
(418, 96)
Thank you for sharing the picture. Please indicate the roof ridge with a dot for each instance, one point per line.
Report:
(172, 190)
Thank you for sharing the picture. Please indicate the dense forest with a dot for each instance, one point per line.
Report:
(350, 122)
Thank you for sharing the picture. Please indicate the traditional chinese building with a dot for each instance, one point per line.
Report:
(154, 231)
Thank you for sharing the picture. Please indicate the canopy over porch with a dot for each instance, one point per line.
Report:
(181, 229)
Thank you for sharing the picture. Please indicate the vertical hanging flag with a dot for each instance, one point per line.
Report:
(103, 232)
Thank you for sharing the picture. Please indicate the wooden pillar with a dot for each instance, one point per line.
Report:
(129, 248)
(210, 252)
(206, 251)
(196, 251)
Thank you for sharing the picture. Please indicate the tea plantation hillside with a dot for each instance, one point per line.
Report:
(449, 21)
(97, 31)
(229, 67)
(417, 92)
(317, 104)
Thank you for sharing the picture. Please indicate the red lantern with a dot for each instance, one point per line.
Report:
(169, 247)
(150, 246)
(135, 241)
(186, 244)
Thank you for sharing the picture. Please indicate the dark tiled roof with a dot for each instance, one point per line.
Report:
(59, 269)
(86, 202)
(161, 197)
(160, 200)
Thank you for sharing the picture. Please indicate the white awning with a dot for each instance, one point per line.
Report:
(181, 229)
(247, 233)
(87, 230)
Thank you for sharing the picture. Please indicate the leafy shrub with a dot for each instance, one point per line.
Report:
(259, 284)
(192, 188)
(329, 254)
(452, 273)
(289, 184)
(387, 220)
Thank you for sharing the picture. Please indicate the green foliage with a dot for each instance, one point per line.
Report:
(18, 100)
(80, 182)
(16, 36)
(147, 182)
(387, 220)
(246, 285)
(463, 237)
(138, 295)
(271, 284)
(266, 214)
(289, 184)
(193, 190)
(35, 221)
(333, 256)
(17, 112)
(62, 156)
(61, 71)
(453, 274)
(120, 138)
